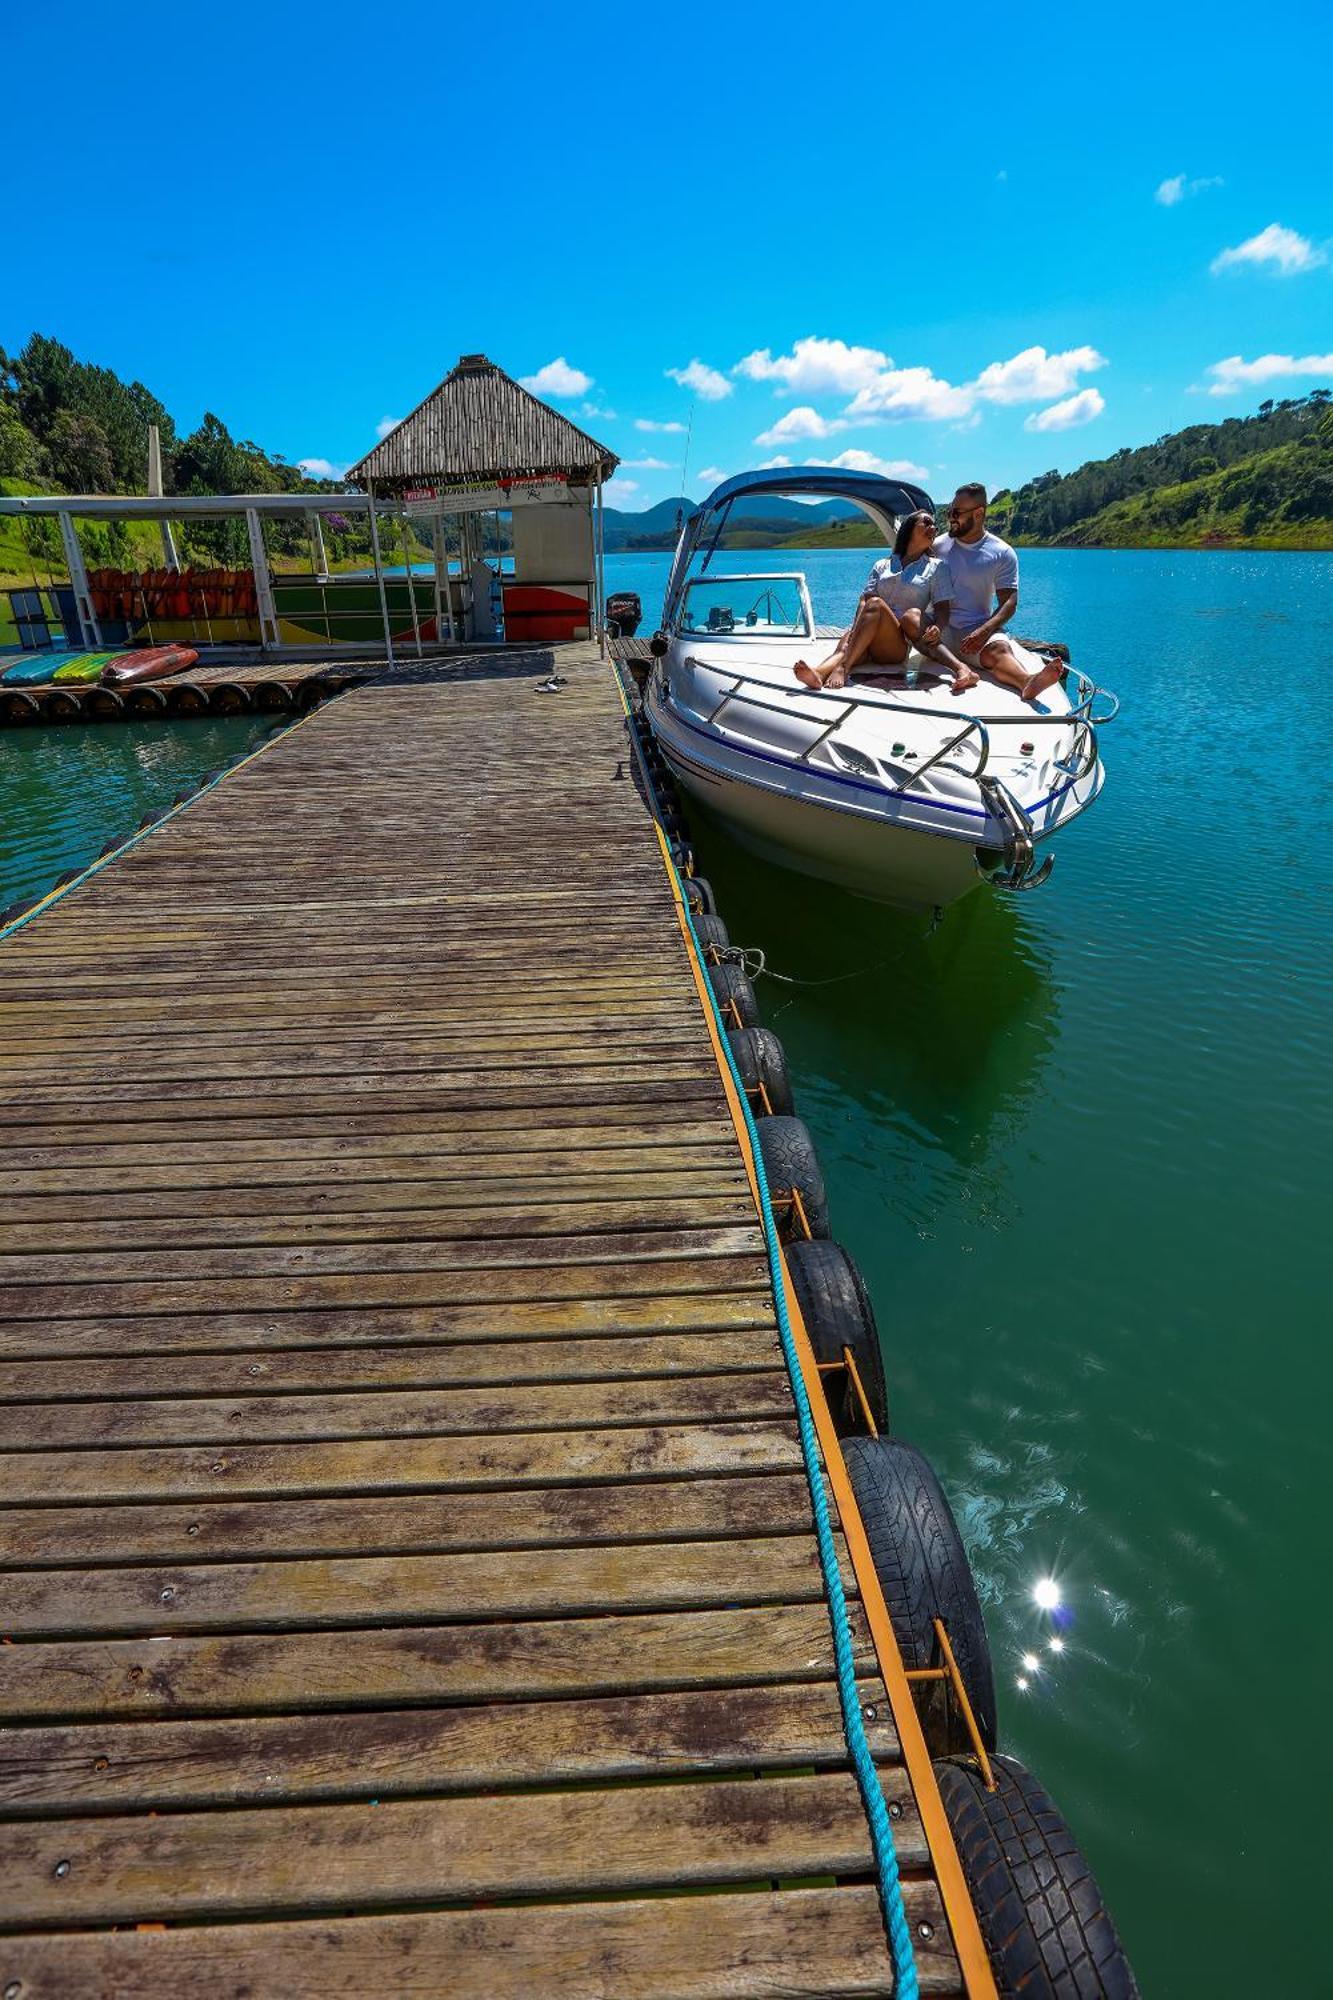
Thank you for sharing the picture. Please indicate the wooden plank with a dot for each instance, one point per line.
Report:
(610, 1274)
(217, 1531)
(804, 1944)
(499, 1363)
(260, 1760)
(487, 1411)
(406, 1851)
(400, 1464)
(732, 1306)
(376, 1590)
(448, 1217)
(306, 1672)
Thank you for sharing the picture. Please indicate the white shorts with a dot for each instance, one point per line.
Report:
(1032, 663)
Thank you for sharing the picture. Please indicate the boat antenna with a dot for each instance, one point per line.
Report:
(685, 462)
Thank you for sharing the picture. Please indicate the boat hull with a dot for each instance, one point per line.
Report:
(907, 851)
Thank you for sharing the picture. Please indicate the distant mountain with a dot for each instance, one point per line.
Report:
(752, 525)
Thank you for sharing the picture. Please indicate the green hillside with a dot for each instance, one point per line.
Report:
(1261, 482)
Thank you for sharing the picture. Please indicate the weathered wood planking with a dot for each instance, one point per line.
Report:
(400, 1495)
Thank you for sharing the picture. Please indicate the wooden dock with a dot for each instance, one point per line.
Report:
(409, 1578)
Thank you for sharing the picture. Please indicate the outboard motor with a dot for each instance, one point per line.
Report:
(623, 612)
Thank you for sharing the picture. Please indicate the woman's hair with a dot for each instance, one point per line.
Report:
(902, 540)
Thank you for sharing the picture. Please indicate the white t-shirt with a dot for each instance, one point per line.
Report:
(911, 586)
(978, 572)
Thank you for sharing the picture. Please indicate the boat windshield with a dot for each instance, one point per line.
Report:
(758, 607)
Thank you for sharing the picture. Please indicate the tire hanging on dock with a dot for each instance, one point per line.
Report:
(734, 994)
(699, 897)
(1044, 1921)
(836, 1308)
(763, 1069)
(924, 1573)
(795, 1179)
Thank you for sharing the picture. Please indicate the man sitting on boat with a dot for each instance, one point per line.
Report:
(983, 594)
(906, 603)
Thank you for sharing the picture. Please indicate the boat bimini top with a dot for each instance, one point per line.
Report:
(885, 501)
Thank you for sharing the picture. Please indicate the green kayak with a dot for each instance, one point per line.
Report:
(87, 667)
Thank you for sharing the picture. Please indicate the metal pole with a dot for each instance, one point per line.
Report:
(599, 567)
(269, 634)
(89, 630)
(379, 573)
(411, 580)
(315, 529)
(155, 488)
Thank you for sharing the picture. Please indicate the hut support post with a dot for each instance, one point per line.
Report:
(379, 572)
(89, 631)
(269, 635)
(599, 569)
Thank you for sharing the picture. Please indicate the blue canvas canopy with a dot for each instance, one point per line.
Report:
(886, 501)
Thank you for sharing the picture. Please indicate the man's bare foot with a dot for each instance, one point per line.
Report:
(807, 676)
(1039, 682)
(963, 680)
(837, 678)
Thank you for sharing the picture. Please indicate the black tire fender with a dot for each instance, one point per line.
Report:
(713, 937)
(735, 996)
(836, 1308)
(1046, 1928)
(924, 1573)
(760, 1060)
(13, 911)
(790, 1161)
(699, 897)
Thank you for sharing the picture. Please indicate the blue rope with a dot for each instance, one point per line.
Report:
(881, 1831)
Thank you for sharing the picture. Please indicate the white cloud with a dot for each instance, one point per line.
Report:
(815, 367)
(647, 424)
(707, 382)
(1033, 375)
(1066, 416)
(618, 489)
(646, 464)
(711, 475)
(557, 378)
(903, 393)
(1277, 246)
(772, 464)
(801, 422)
(866, 461)
(321, 468)
(1178, 188)
(591, 410)
(1233, 373)
(385, 425)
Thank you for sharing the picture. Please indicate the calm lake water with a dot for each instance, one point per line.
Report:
(1078, 1143)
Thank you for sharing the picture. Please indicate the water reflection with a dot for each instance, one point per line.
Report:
(940, 1033)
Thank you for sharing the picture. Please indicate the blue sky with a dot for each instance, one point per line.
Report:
(978, 242)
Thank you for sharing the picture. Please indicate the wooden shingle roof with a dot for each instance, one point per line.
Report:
(481, 425)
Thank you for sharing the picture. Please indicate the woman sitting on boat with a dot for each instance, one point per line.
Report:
(892, 615)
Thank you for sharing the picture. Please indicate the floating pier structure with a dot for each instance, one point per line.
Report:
(410, 1578)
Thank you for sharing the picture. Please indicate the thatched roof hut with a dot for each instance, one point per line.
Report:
(481, 425)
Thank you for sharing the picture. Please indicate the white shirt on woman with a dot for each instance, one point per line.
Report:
(910, 586)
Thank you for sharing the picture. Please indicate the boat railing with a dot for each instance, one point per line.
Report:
(1079, 718)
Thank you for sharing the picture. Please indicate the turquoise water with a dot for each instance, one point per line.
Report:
(64, 792)
(1079, 1144)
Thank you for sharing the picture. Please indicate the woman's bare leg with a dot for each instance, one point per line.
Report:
(874, 634)
(964, 677)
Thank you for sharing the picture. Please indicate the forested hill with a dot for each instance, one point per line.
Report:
(1250, 482)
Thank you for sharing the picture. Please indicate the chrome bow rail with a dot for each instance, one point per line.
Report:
(1080, 718)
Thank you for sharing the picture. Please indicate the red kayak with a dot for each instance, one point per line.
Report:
(149, 663)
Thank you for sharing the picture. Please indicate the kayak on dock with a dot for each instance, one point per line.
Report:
(147, 663)
(87, 667)
(34, 668)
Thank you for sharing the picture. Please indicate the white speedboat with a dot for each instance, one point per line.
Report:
(908, 794)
